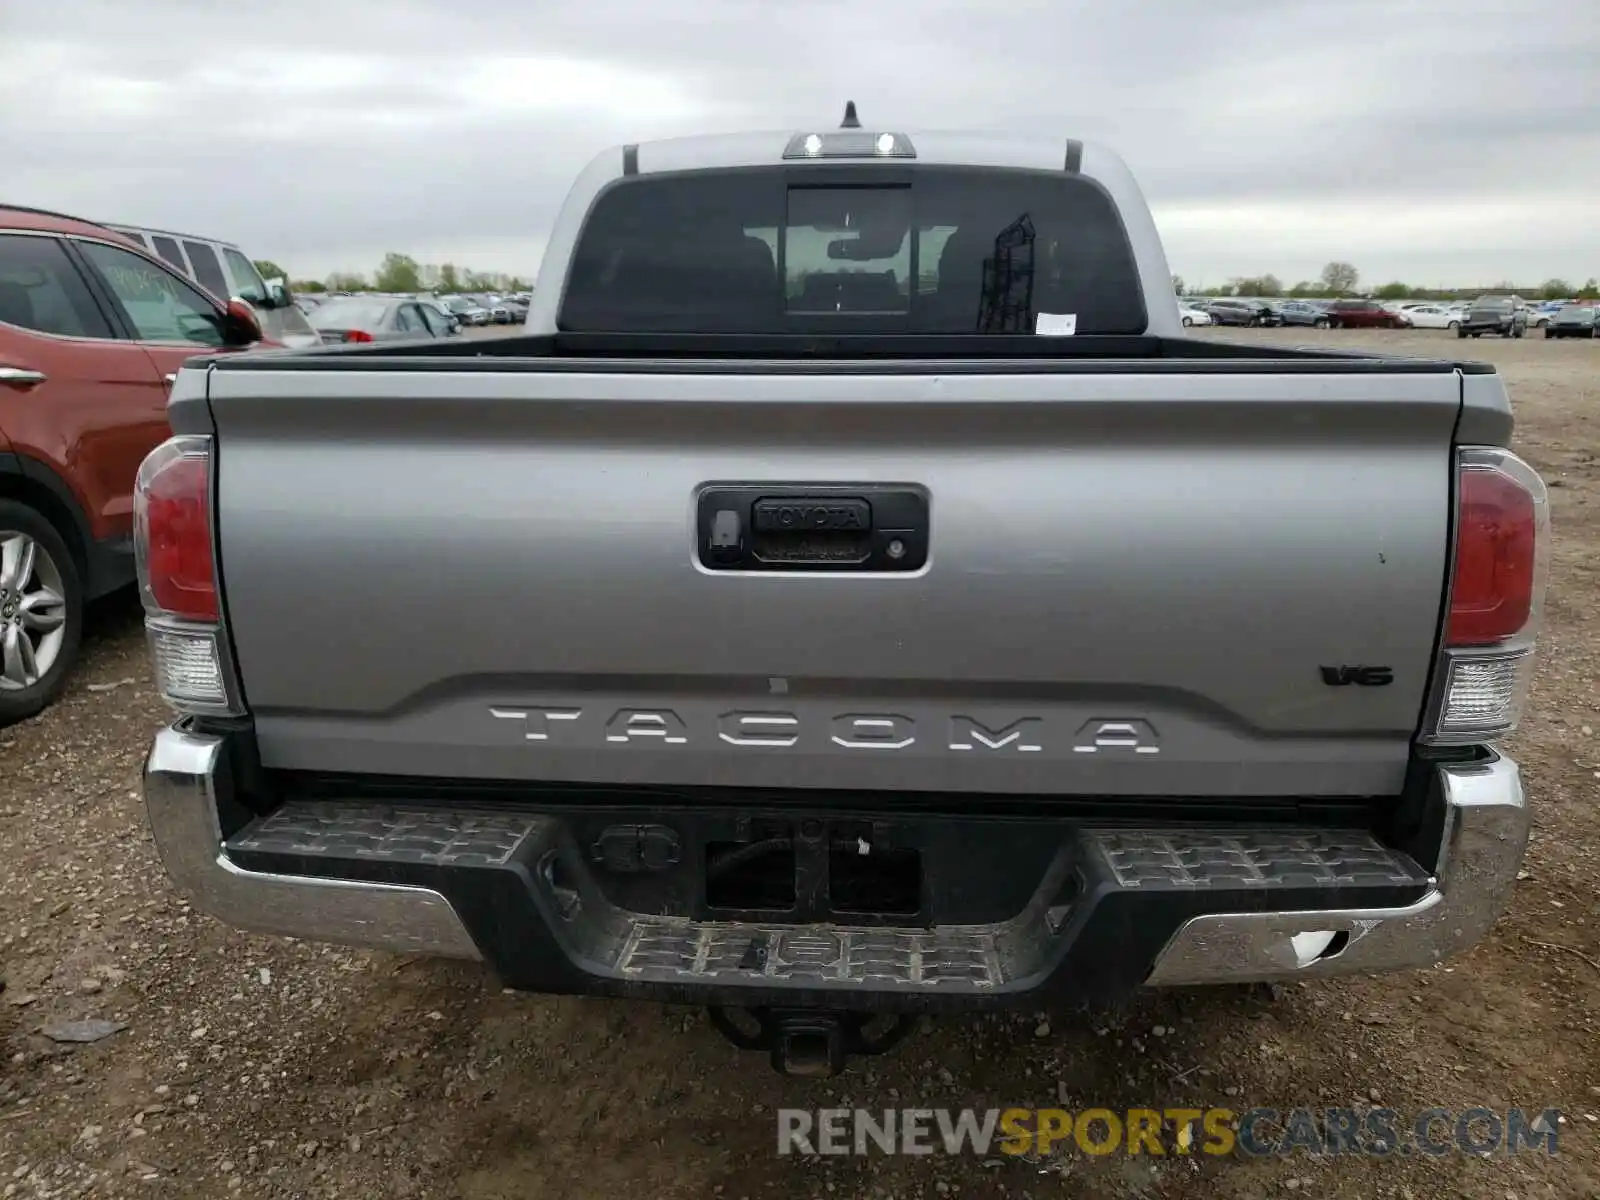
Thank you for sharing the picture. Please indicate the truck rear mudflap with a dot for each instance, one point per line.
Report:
(807, 905)
(1115, 581)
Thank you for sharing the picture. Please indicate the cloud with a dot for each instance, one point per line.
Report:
(1418, 139)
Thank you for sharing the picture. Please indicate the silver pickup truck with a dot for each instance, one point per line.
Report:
(850, 597)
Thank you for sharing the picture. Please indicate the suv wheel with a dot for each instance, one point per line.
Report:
(1320, 323)
(41, 612)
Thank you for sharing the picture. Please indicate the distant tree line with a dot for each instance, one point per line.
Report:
(402, 273)
(1342, 279)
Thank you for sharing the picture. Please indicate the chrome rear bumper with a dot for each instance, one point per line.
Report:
(1486, 822)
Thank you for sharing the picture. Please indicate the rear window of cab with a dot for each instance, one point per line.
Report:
(853, 249)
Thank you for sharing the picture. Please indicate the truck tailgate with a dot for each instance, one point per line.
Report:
(1139, 582)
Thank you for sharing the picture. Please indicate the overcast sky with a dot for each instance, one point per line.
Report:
(1436, 141)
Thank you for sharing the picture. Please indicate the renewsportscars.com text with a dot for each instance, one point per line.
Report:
(1041, 1132)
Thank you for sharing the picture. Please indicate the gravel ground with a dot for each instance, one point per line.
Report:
(247, 1066)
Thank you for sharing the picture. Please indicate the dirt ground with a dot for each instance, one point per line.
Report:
(260, 1068)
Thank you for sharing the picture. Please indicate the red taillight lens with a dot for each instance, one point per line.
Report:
(172, 530)
(358, 335)
(1500, 519)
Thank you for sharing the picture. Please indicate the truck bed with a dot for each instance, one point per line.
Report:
(1154, 566)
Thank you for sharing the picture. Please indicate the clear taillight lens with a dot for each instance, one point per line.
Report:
(1482, 695)
(189, 664)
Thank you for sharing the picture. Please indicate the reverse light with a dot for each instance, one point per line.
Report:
(173, 548)
(1499, 570)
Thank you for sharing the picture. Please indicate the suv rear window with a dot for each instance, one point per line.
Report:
(852, 250)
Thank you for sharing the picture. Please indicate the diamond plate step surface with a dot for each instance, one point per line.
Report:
(1264, 858)
(431, 836)
(748, 953)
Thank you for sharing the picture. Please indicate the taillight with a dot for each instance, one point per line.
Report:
(1494, 574)
(357, 335)
(172, 541)
(1497, 583)
(172, 530)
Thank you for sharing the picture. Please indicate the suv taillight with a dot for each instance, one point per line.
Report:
(1497, 584)
(176, 559)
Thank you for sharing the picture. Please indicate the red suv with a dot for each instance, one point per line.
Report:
(92, 330)
(1364, 314)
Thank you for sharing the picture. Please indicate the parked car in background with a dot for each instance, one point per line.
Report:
(1303, 312)
(1539, 316)
(1193, 316)
(1227, 311)
(467, 310)
(378, 319)
(92, 332)
(1433, 316)
(227, 273)
(517, 310)
(1574, 320)
(1502, 315)
(452, 321)
(1363, 314)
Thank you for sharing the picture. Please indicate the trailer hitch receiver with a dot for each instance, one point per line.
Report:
(810, 1041)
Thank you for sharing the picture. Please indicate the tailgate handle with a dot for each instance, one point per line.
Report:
(826, 527)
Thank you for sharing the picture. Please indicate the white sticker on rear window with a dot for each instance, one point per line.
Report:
(1056, 324)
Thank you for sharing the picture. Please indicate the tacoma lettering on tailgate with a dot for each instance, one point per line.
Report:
(851, 730)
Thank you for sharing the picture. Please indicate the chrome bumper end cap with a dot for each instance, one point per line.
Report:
(1485, 833)
(185, 777)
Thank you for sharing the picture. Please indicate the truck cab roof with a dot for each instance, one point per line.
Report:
(755, 148)
(896, 156)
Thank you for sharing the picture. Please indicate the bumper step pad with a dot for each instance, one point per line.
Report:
(1262, 858)
(429, 837)
(895, 958)
(1100, 916)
